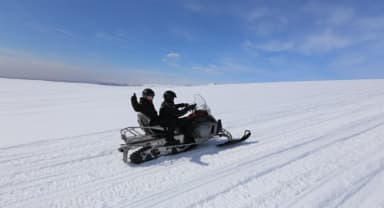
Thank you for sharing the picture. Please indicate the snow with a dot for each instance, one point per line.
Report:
(313, 144)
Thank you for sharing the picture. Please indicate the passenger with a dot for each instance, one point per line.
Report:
(146, 106)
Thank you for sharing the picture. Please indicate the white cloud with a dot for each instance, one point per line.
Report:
(172, 55)
(256, 14)
(310, 44)
(65, 32)
(319, 28)
(316, 28)
(329, 14)
(323, 42)
(172, 58)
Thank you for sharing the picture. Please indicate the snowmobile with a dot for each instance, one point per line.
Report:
(145, 142)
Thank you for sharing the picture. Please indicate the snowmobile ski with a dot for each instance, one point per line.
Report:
(246, 135)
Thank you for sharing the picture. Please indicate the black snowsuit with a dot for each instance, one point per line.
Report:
(147, 108)
(169, 117)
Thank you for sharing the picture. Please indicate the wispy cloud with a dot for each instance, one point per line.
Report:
(254, 15)
(209, 69)
(311, 44)
(329, 14)
(193, 6)
(272, 46)
(307, 39)
(329, 27)
(118, 35)
(263, 21)
(257, 14)
(182, 32)
(51, 29)
(221, 67)
(363, 63)
(172, 58)
(320, 43)
(323, 42)
(64, 32)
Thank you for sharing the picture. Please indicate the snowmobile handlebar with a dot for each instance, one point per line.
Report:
(192, 106)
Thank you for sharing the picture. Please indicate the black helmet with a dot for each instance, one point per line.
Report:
(148, 92)
(169, 95)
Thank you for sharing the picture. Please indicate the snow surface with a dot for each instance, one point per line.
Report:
(313, 144)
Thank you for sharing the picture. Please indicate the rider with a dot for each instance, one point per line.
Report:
(146, 106)
(169, 116)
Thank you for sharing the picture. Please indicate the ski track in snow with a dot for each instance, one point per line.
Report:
(320, 149)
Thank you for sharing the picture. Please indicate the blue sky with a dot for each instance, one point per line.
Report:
(191, 41)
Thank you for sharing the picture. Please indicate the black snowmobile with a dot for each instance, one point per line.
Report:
(148, 142)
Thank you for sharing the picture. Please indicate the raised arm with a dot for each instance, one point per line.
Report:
(135, 105)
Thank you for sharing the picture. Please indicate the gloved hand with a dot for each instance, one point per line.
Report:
(191, 107)
(134, 97)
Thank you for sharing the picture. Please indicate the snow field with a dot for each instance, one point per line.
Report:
(313, 144)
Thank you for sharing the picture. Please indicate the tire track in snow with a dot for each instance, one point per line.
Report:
(310, 176)
(151, 171)
(310, 117)
(59, 154)
(230, 171)
(336, 101)
(251, 178)
(337, 190)
(357, 186)
(122, 176)
(284, 133)
(55, 140)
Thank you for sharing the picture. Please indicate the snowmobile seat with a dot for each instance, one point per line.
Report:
(144, 123)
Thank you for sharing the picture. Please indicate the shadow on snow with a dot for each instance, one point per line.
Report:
(195, 154)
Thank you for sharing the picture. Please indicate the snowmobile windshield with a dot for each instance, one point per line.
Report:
(201, 104)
